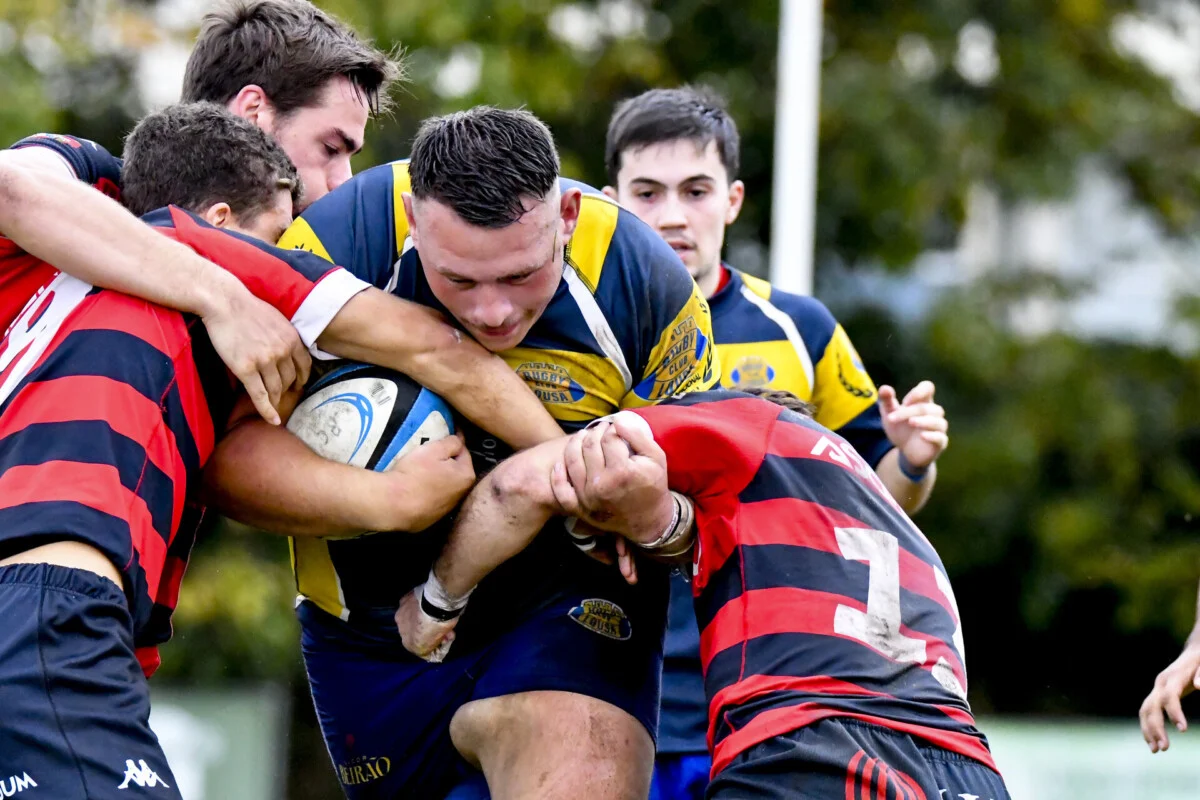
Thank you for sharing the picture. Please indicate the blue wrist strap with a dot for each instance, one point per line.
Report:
(914, 474)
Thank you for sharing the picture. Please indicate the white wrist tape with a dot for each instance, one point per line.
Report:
(436, 595)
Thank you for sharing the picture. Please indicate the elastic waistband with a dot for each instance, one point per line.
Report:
(64, 579)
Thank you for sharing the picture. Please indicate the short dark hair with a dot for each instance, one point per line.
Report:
(193, 155)
(781, 398)
(483, 163)
(290, 48)
(664, 115)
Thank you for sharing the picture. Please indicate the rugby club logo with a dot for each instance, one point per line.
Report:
(752, 372)
(550, 382)
(604, 618)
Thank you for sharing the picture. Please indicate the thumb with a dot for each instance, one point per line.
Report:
(446, 447)
(887, 400)
(921, 393)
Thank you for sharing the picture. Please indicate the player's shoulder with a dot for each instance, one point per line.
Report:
(812, 317)
(91, 162)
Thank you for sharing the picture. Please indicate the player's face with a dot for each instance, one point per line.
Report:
(683, 191)
(320, 138)
(495, 281)
(267, 225)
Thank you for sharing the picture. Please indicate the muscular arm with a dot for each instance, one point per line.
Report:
(101, 243)
(381, 329)
(911, 496)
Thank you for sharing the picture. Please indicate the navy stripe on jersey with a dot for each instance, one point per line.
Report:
(92, 164)
(735, 322)
(94, 442)
(126, 359)
(836, 488)
(780, 566)
(801, 655)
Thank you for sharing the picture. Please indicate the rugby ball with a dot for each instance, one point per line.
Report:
(369, 416)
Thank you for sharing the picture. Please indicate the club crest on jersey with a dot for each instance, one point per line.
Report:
(686, 346)
(550, 382)
(602, 617)
(752, 372)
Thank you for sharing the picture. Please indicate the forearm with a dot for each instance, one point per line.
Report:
(500, 517)
(91, 237)
(910, 495)
(254, 476)
(380, 329)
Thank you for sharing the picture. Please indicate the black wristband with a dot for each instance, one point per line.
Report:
(440, 614)
(913, 473)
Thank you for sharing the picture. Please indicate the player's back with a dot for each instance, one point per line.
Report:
(815, 594)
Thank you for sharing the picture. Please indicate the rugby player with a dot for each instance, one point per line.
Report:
(292, 70)
(109, 408)
(552, 689)
(672, 158)
(831, 642)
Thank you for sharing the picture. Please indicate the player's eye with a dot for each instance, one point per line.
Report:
(697, 193)
(517, 280)
(644, 195)
(463, 282)
(331, 150)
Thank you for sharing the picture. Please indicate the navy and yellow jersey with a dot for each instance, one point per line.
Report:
(626, 328)
(815, 594)
(769, 338)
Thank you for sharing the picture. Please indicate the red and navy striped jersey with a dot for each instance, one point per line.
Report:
(110, 406)
(22, 275)
(815, 594)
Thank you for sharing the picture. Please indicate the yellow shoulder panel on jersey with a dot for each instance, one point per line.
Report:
(757, 285)
(761, 365)
(401, 185)
(593, 234)
(684, 358)
(301, 236)
(843, 387)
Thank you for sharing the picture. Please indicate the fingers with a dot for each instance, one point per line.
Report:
(564, 491)
(887, 400)
(593, 450)
(937, 439)
(625, 560)
(272, 382)
(911, 411)
(257, 393)
(301, 362)
(616, 451)
(287, 373)
(1151, 718)
(921, 393)
(572, 461)
(1175, 712)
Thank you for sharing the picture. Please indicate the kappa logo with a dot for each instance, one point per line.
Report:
(14, 784)
(141, 775)
(604, 618)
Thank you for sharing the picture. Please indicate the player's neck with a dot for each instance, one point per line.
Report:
(713, 281)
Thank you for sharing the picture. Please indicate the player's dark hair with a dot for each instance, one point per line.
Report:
(290, 49)
(696, 113)
(193, 155)
(782, 398)
(484, 163)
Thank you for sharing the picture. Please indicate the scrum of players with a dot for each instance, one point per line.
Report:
(670, 557)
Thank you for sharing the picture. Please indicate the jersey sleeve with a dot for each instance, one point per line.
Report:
(304, 288)
(90, 162)
(359, 226)
(674, 351)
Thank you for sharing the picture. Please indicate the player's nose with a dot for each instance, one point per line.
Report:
(492, 309)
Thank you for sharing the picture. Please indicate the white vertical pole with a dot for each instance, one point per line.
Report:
(797, 111)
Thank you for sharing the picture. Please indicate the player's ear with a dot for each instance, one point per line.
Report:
(253, 105)
(737, 196)
(219, 215)
(410, 215)
(568, 209)
(610, 192)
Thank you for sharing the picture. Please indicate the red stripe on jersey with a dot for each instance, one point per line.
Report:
(755, 685)
(126, 411)
(97, 486)
(789, 521)
(149, 659)
(21, 277)
(791, 610)
(777, 721)
(795, 440)
(265, 275)
(168, 591)
(194, 401)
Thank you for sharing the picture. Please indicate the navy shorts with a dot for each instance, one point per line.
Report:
(74, 705)
(572, 626)
(841, 758)
(680, 776)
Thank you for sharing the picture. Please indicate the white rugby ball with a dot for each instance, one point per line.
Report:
(369, 416)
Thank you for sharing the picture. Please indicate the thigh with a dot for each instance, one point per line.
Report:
(384, 714)
(546, 745)
(76, 706)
